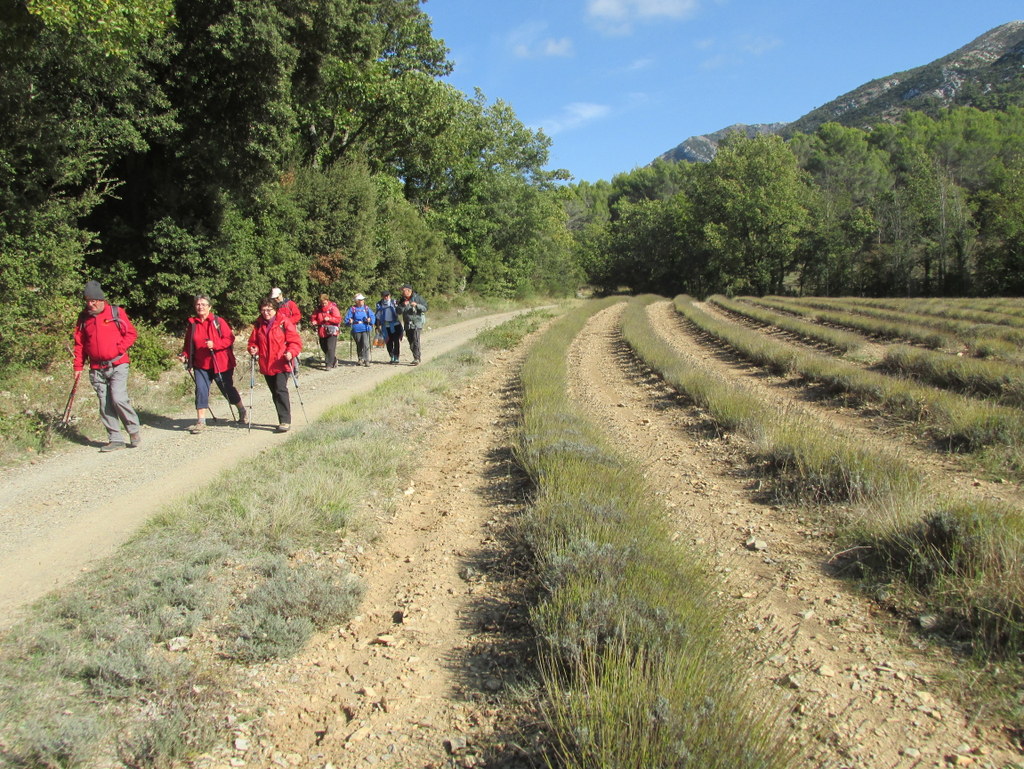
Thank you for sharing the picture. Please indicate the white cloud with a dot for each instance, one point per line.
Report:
(639, 64)
(528, 42)
(560, 47)
(759, 45)
(737, 51)
(574, 116)
(624, 11)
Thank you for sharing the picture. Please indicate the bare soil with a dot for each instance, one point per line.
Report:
(437, 665)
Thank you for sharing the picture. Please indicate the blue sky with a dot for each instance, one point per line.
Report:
(614, 83)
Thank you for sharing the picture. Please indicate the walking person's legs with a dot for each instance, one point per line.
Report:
(331, 350)
(226, 384)
(363, 343)
(111, 387)
(202, 377)
(122, 403)
(278, 384)
(413, 335)
(394, 343)
(99, 381)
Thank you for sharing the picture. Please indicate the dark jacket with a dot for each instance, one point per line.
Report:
(413, 311)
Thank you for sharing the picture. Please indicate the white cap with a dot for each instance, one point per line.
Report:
(360, 296)
(275, 293)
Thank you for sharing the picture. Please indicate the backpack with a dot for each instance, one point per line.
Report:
(115, 315)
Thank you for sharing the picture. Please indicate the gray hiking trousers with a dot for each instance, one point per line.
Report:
(111, 386)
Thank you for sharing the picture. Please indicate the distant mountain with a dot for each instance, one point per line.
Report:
(987, 73)
(700, 149)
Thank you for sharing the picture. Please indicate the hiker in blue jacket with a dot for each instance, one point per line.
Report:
(360, 319)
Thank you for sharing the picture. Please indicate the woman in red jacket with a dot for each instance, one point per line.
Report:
(277, 344)
(327, 321)
(209, 355)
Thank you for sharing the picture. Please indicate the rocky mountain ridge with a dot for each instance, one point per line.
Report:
(987, 73)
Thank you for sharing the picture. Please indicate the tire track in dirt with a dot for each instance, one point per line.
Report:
(858, 688)
(418, 678)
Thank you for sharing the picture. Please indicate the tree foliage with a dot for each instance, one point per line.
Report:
(927, 207)
(225, 146)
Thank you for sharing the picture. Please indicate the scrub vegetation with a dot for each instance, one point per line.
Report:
(960, 556)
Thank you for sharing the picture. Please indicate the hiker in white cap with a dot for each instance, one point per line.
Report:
(286, 308)
(360, 319)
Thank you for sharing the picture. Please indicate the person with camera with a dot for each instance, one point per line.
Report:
(413, 310)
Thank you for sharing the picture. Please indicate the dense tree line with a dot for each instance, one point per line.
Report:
(167, 147)
(929, 207)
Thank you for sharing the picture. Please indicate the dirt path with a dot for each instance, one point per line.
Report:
(867, 697)
(416, 679)
(64, 512)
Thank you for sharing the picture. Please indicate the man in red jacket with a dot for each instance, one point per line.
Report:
(286, 308)
(103, 335)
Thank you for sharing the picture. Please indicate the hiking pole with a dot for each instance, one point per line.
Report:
(66, 419)
(220, 383)
(298, 392)
(252, 386)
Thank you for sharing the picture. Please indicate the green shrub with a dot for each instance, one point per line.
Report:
(152, 354)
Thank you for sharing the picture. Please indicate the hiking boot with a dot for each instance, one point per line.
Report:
(242, 414)
(282, 428)
(112, 446)
(136, 439)
(197, 428)
(366, 363)
(416, 362)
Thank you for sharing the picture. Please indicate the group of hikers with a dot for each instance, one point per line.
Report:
(104, 333)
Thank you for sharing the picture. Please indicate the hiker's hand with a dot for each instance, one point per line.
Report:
(288, 356)
(182, 357)
(209, 344)
(253, 350)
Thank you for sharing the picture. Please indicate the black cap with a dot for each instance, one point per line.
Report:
(92, 290)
